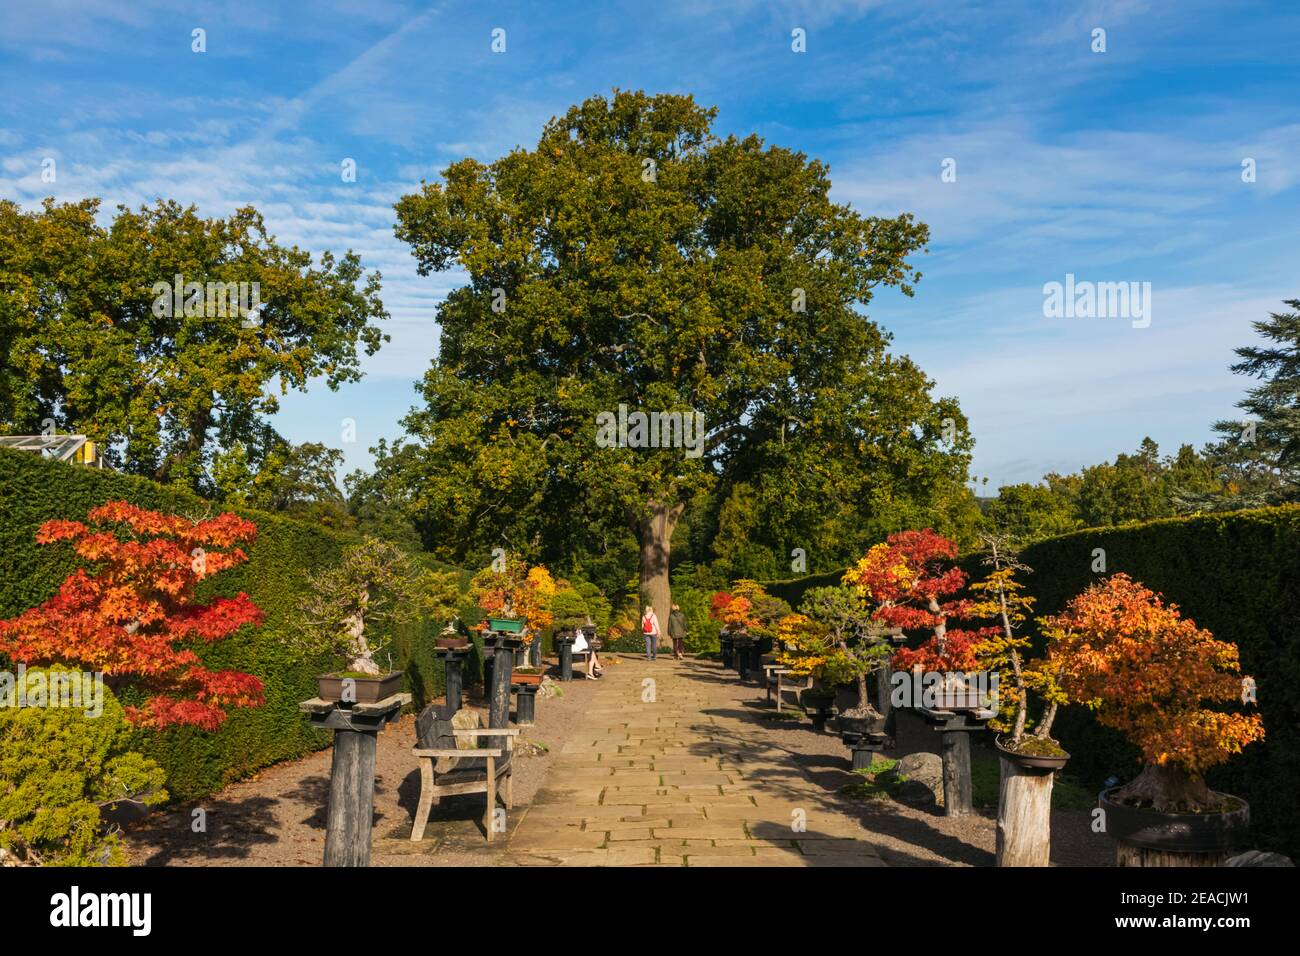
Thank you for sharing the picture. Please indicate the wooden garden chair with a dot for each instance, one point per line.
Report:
(453, 761)
(777, 682)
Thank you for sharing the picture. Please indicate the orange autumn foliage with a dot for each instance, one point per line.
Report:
(1151, 674)
(131, 611)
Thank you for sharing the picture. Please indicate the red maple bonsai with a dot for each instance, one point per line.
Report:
(1150, 673)
(909, 581)
(133, 613)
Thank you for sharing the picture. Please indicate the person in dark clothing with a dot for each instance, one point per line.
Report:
(677, 630)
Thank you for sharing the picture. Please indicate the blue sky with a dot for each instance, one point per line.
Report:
(1122, 166)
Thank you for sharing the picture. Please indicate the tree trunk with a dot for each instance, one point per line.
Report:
(656, 537)
(1024, 816)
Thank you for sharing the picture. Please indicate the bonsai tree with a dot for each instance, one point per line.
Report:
(1002, 597)
(58, 767)
(854, 650)
(734, 612)
(1157, 678)
(131, 612)
(376, 583)
(516, 591)
(766, 609)
(909, 582)
(806, 646)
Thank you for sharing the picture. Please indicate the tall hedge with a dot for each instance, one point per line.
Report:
(34, 490)
(1236, 574)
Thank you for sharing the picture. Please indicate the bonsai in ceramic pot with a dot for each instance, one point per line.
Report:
(347, 610)
(1167, 685)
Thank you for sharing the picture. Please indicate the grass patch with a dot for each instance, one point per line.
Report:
(879, 781)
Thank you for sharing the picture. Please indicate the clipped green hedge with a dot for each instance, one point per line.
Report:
(34, 490)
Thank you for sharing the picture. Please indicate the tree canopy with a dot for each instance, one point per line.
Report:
(149, 335)
(633, 258)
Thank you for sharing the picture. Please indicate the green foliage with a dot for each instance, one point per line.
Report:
(297, 480)
(34, 490)
(57, 766)
(92, 343)
(729, 283)
(701, 629)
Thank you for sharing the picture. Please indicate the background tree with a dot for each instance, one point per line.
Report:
(297, 480)
(632, 257)
(85, 344)
(1261, 456)
(134, 615)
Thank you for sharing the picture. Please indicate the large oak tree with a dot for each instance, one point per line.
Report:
(86, 346)
(634, 258)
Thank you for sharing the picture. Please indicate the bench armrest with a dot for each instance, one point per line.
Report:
(477, 752)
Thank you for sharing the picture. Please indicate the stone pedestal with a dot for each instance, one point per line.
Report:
(453, 663)
(564, 647)
(352, 772)
(525, 703)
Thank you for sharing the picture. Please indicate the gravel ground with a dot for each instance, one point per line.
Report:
(920, 836)
(277, 817)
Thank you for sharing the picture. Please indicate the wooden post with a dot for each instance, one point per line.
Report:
(453, 659)
(352, 773)
(956, 772)
(352, 799)
(1024, 836)
(503, 659)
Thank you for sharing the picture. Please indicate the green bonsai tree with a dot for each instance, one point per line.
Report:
(855, 646)
(375, 584)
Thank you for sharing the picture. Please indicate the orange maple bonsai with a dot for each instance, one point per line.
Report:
(134, 612)
(1160, 680)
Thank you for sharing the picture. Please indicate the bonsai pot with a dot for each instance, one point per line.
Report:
(527, 676)
(368, 690)
(505, 625)
(817, 698)
(861, 726)
(455, 642)
(1177, 832)
(1031, 761)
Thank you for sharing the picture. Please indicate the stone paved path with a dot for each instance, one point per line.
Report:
(669, 767)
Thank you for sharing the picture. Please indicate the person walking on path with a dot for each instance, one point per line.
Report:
(677, 630)
(650, 628)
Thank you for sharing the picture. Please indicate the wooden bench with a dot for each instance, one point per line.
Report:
(593, 644)
(776, 674)
(452, 761)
